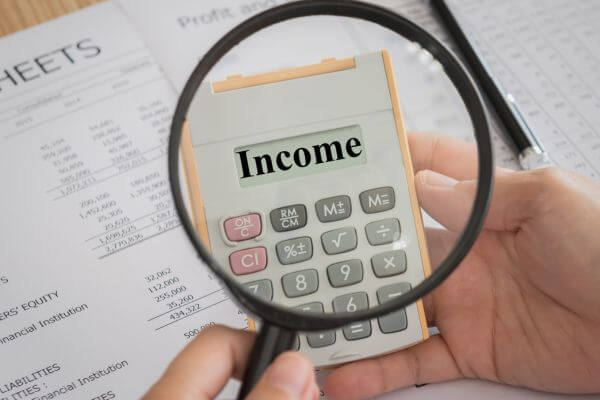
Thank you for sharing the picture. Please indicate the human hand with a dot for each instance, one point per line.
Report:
(202, 369)
(523, 308)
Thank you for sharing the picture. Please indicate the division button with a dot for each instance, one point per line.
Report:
(247, 261)
(339, 240)
(288, 218)
(345, 273)
(377, 200)
(243, 227)
(383, 231)
(295, 250)
(333, 208)
(396, 321)
(389, 263)
(262, 288)
(300, 283)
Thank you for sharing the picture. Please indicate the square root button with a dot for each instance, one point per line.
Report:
(288, 218)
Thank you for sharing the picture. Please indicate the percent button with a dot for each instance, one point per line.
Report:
(295, 250)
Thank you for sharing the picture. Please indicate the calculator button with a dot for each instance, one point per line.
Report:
(345, 273)
(243, 227)
(389, 263)
(295, 250)
(357, 330)
(383, 231)
(377, 200)
(396, 321)
(333, 208)
(315, 307)
(262, 288)
(288, 218)
(319, 339)
(339, 240)
(350, 303)
(248, 261)
(300, 283)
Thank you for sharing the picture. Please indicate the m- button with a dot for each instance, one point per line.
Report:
(377, 200)
(288, 218)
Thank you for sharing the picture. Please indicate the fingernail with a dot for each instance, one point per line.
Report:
(432, 178)
(290, 373)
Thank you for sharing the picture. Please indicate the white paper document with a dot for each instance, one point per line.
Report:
(99, 287)
(179, 32)
(546, 54)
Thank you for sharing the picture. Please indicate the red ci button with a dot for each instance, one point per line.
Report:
(243, 227)
(248, 261)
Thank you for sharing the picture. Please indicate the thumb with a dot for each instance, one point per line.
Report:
(450, 202)
(290, 377)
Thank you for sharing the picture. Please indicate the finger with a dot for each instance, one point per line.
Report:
(201, 370)
(446, 155)
(290, 377)
(439, 195)
(516, 197)
(427, 362)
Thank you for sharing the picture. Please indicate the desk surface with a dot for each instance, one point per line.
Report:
(20, 14)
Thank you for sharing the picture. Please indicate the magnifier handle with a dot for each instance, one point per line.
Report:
(271, 341)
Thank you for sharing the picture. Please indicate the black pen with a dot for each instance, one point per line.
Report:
(531, 153)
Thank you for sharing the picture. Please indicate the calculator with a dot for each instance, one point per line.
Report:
(301, 185)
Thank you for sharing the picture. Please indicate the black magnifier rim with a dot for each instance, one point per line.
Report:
(285, 317)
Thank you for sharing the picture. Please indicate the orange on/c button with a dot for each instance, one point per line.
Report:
(247, 261)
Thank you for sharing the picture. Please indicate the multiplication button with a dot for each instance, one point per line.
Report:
(288, 218)
(389, 263)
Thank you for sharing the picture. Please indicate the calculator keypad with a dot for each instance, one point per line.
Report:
(300, 283)
(262, 288)
(295, 250)
(340, 273)
(243, 227)
(396, 321)
(389, 263)
(339, 240)
(345, 273)
(377, 200)
(288, 218)
(247, 261)
(333, 208)
(383, 231)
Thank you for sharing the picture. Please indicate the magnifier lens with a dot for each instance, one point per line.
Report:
(320, 160)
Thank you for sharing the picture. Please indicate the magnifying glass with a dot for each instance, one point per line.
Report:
(292, 162)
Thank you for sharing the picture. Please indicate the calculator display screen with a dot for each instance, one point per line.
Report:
(301, 155)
